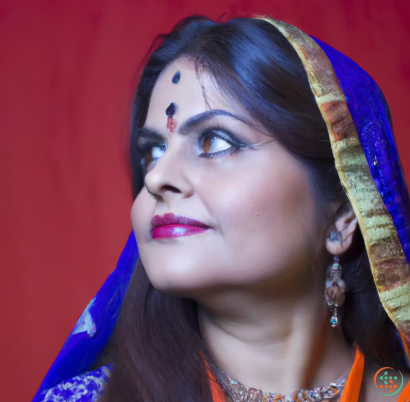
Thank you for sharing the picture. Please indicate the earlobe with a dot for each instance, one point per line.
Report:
(341, 237)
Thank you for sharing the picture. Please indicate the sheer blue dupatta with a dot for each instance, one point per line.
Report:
(93, 329)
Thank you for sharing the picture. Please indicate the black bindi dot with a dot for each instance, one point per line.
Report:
(171, 109)
(176, 77)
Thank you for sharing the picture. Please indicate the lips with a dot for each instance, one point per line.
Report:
(171, 225)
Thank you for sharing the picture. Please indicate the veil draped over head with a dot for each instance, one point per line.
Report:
(359, 125)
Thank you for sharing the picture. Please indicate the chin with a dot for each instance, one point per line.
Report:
(173, 288)
(169, 281)
(178, 282)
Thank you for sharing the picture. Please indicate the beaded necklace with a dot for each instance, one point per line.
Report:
(346, 389)
(241, 393)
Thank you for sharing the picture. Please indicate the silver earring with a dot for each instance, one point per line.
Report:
(336, 236)
(335, 289)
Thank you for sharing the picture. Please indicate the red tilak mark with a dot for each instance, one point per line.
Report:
(171, 125)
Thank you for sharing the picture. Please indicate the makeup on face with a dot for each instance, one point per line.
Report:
(152, 143)
(210, 132)
(176, 77)
(172, 108)
(195, 171)
(170, 111)
(172, 231)
(171, 225)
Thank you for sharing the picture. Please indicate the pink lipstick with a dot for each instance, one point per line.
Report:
(171, 225)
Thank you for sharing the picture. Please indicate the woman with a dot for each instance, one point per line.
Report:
(271, 217)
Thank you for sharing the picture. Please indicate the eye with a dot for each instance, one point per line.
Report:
(151, 154)
(218, 142)
(157, 151)
(213, 143)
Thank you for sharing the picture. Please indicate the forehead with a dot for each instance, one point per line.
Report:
(193, 94)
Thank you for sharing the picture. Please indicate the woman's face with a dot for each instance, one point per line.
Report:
(256, 201)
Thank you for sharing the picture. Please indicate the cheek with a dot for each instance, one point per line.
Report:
(266, 223)
(141, 212)
(263, 230)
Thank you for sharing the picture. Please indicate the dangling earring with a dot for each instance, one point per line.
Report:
(335, 289)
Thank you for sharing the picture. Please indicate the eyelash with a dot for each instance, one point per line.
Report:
(236, 145)
(222, 134)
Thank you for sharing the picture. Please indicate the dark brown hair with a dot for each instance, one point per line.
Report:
(156, 347)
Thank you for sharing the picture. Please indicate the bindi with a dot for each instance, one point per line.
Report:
(172, 108)
(176, 77)
(170, 111)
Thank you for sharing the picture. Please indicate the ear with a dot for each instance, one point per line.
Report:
(346, 225)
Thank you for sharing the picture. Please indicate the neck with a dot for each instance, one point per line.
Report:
(279, 344)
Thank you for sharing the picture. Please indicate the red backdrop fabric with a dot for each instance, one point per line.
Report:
(67, 71)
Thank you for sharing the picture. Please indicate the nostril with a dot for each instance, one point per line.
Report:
(167, 187)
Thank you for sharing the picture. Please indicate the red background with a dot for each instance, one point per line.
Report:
(67, 70)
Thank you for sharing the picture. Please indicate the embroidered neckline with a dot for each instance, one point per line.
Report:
(242, 393)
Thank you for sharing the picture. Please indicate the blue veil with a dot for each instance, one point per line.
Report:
(93, 329)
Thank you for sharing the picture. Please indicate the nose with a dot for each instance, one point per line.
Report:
(167, 178)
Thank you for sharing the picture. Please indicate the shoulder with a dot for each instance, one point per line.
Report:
(85, 387)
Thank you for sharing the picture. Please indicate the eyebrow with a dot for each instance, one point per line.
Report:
(190, 124)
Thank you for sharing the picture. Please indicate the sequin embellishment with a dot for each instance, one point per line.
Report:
(242, 393)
